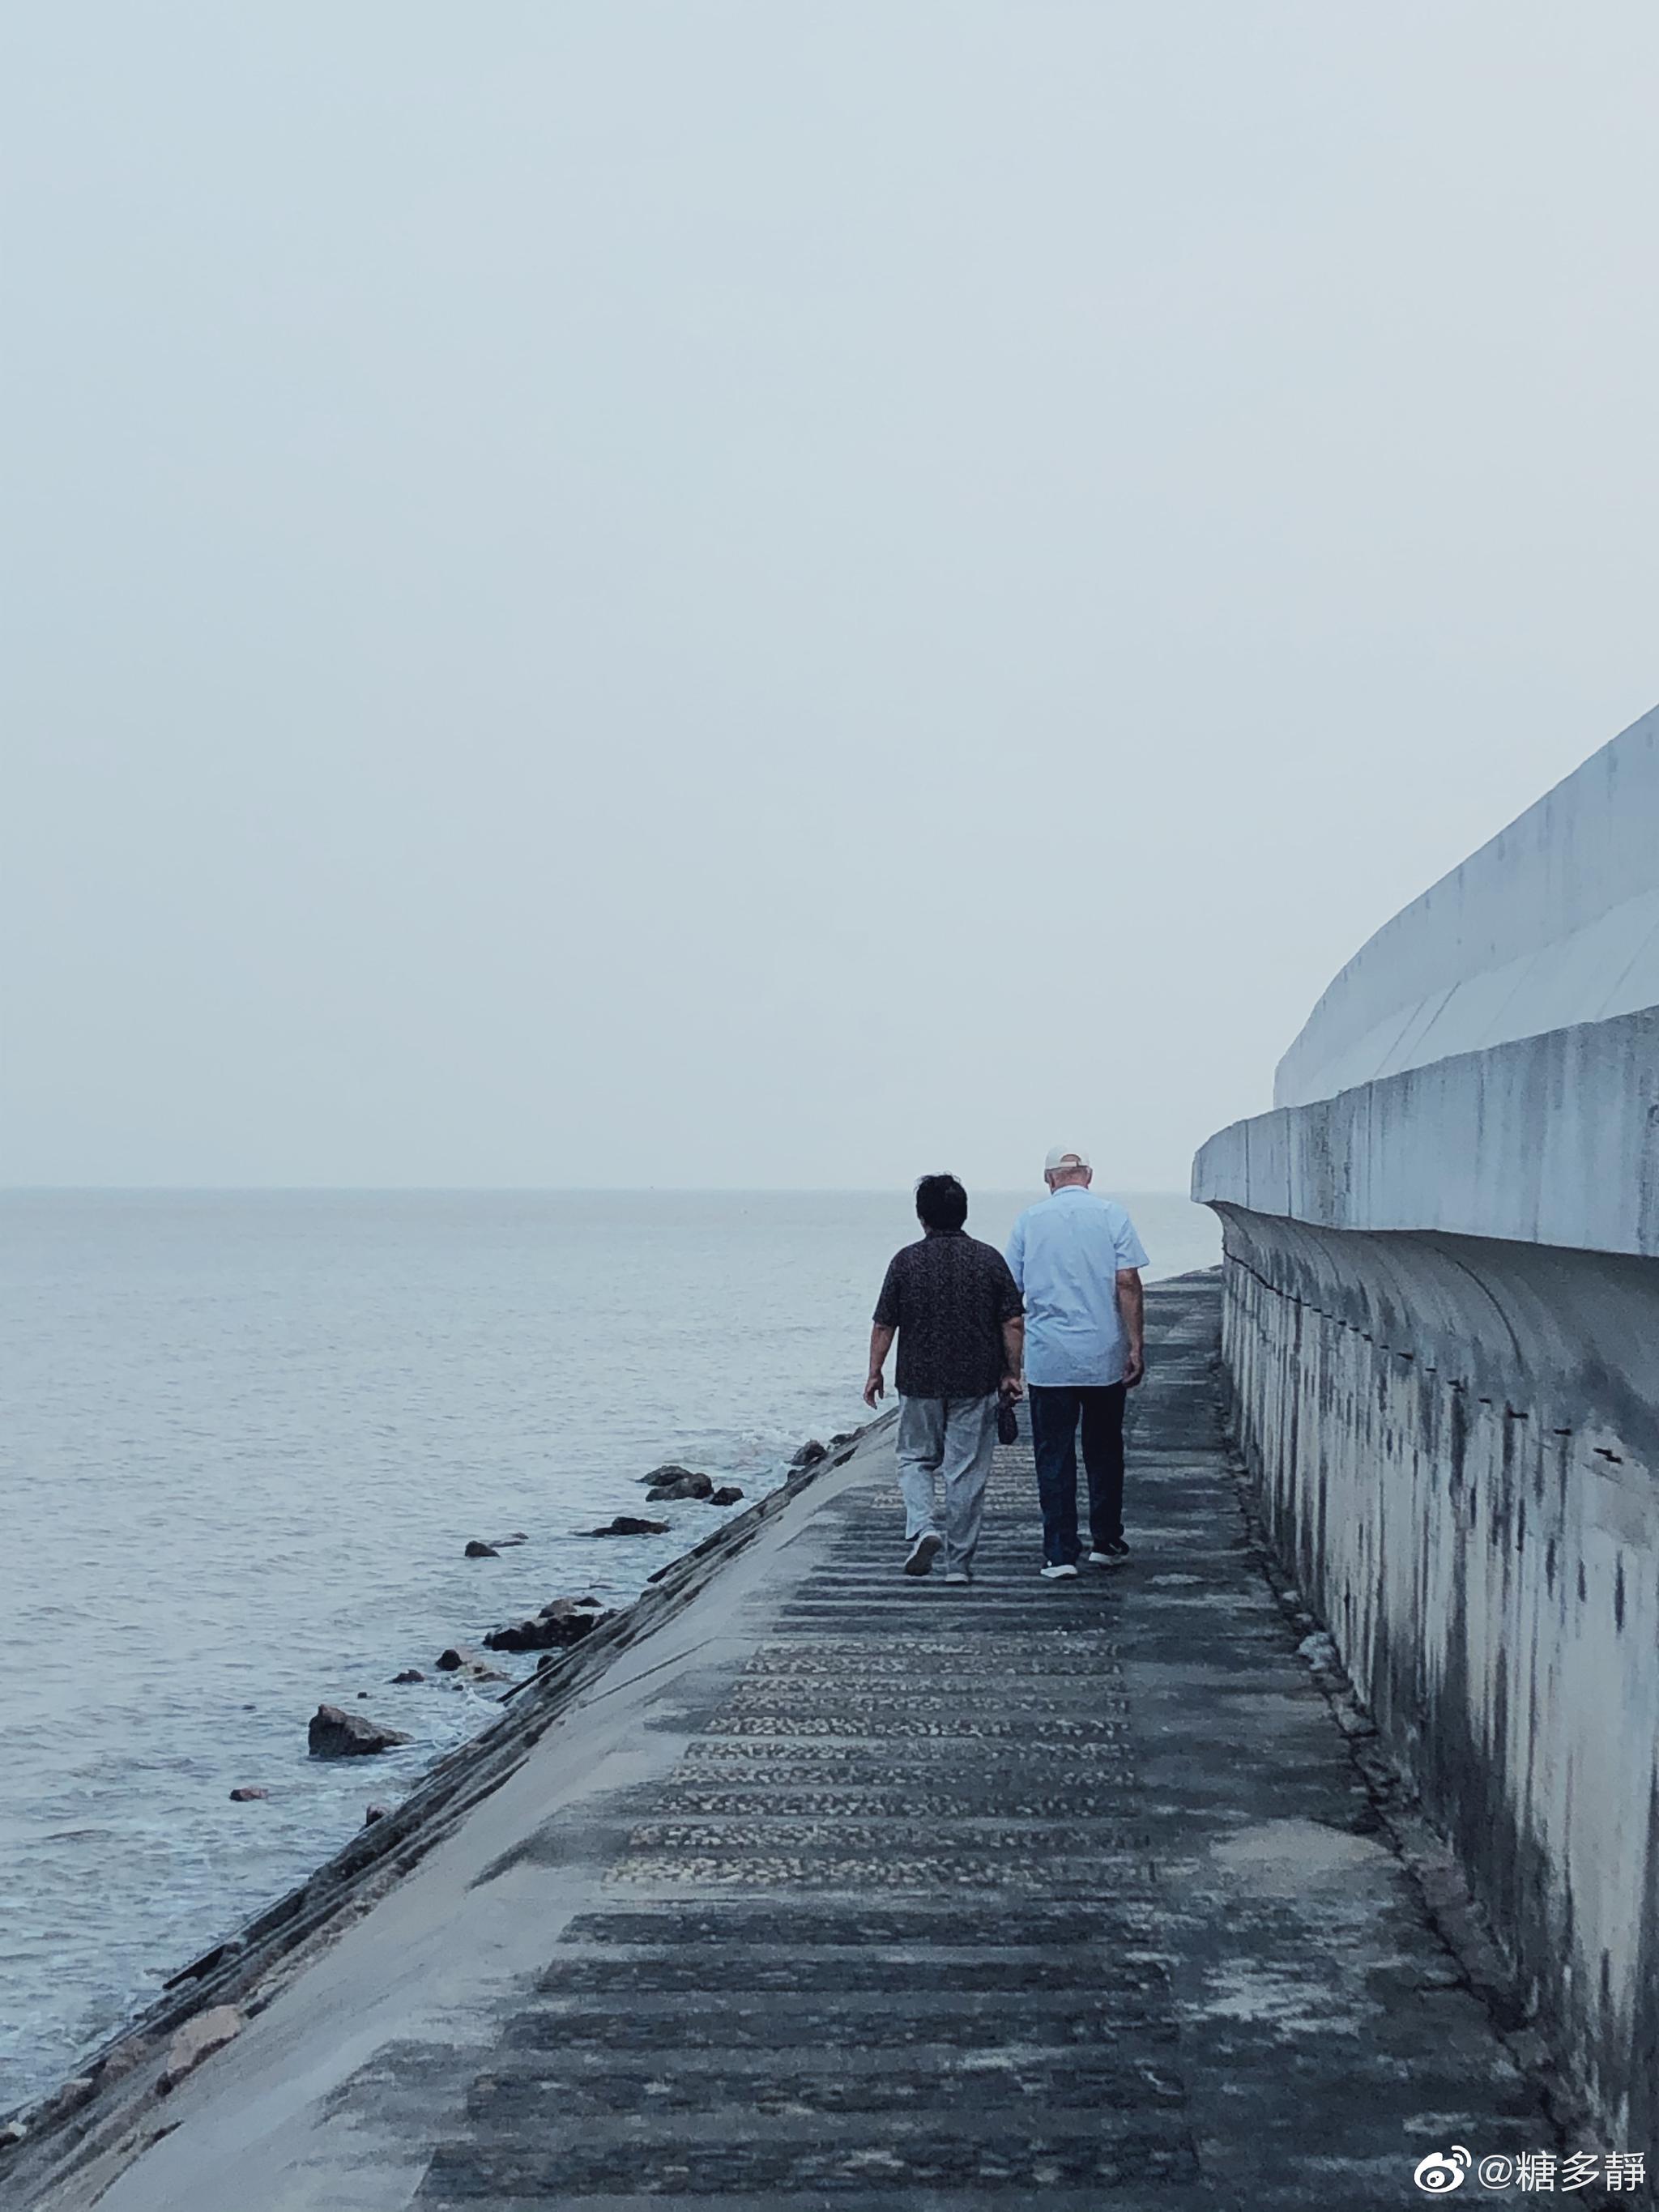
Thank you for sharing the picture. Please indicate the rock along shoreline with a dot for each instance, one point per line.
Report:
(118, 2088)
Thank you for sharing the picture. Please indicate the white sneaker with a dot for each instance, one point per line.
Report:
(923, 1552)
(1056, 1574)
(958, 1575)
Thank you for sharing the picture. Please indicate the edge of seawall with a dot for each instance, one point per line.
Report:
(110, 2103)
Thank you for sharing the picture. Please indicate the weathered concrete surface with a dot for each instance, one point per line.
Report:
(1553, 1141)
(1456, 1444)
(1443, 1331)
(844, 1889)
(1488, 1064)
(1552, 924)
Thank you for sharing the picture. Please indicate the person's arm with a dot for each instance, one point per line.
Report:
(887, 1318)
(1132, 1312)
(1010, 1314)
(1013, 1356)
(881, 1343)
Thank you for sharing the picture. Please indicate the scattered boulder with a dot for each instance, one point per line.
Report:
(727, 1494)
(13, 2132)
(519, 1635)
(373, 1813)
(63, 2101)
(673, 1473)
(682, 1485)
(810, 1453)
(476, 1550)
(198, 2040)
(131, 2053)
(461, 1659)
(565, 1621)
(412, 1675)
(246, 1793)
(337, 1734)
(844, 1436)
(630, 1524)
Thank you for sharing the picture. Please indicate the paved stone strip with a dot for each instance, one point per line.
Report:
(890, 1737)
(1026, 1892)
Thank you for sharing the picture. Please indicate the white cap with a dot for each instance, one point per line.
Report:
(1061, 1156)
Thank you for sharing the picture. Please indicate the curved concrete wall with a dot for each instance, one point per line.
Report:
(1552, 1140)
(1456, 1442)
(1555, 922)
(1442, 1339)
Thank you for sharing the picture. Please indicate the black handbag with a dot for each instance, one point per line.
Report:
(1007, 1422)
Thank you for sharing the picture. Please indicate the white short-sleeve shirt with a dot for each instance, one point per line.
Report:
(1065, 1253)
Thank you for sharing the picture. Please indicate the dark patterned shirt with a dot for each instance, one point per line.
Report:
(948, 1296)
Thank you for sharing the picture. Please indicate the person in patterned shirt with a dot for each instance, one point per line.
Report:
(958, 1315)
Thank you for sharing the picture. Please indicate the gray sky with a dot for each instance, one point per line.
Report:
(782, 594)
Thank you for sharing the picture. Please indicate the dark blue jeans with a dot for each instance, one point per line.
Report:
(1054, 1415)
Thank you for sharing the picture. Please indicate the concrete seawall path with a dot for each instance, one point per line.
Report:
(840, 1889)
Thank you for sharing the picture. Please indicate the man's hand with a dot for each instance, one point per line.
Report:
(1132, 1311)
(881, 1343)
(1012, 1388)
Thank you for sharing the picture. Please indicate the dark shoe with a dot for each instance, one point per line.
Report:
(1109, 1555)
(923, 1552)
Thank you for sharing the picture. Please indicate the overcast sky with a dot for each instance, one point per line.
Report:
(771, 593)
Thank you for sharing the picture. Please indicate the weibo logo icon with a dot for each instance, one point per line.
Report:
(1441, 2172)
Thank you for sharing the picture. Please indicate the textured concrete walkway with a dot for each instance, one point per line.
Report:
(890, 1897)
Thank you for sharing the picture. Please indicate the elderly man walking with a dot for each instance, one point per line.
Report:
(953, 1304)
(1077, 1258)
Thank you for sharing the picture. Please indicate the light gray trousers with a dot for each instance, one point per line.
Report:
(953, 1437)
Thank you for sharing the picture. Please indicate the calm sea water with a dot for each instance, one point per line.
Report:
(244, 1438)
